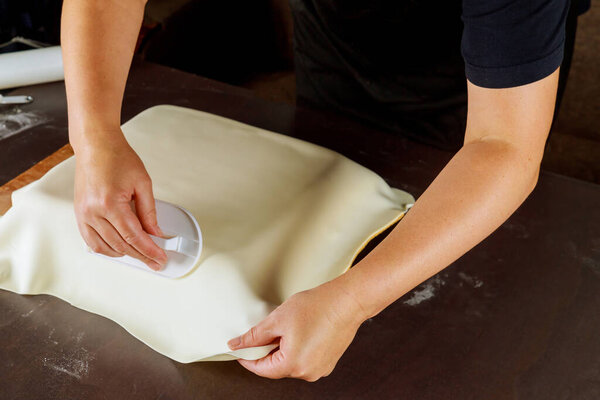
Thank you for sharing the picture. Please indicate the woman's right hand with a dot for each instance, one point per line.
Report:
(110, 179)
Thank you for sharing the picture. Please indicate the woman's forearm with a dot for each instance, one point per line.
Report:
(475, 193)
(98, 41)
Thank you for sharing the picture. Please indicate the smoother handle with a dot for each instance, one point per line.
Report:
(178, 244)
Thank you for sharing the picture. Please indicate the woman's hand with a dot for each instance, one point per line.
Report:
(109, 179)
(313, 329)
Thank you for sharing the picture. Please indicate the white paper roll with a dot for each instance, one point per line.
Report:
(30, 67)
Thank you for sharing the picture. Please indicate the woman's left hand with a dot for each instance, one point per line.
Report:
(313, 329)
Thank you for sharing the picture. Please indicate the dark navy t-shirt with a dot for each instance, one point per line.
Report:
(512, 43)
(401, 64)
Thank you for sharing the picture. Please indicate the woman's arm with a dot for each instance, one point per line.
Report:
(98, 40)
(481, 186)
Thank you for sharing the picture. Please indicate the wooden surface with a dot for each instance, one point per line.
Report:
(516, 318)
(32, 174)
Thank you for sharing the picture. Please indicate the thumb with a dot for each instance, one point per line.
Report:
(146, 209)
(258, 335)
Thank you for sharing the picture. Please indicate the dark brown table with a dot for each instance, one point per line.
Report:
(517, 317)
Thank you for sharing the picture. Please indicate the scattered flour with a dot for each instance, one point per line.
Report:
(425, 291)
(476, 283)
(428, 288)
(61, 369)
(40, 303)
(15, 121)
(592, 264)
(27, 314)
(50, 338)
(75, 362)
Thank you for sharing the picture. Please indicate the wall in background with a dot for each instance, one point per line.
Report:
(574, 146)
(34, 19)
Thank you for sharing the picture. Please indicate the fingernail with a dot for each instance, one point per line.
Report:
(155, 266)
(160, 232)
(161, 258)
(233, 343)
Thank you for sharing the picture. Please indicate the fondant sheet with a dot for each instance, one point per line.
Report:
(278, 215)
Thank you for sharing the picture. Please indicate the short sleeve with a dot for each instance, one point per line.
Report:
(507, 43)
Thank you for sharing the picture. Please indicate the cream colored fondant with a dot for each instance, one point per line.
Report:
(278, 216)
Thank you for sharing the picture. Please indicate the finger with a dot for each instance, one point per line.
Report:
(271, 366)
(95, 241)
(116, 242)
(128, 225)
(258, 335)
(145, 208)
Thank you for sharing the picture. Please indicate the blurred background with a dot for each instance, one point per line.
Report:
(249, 44)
